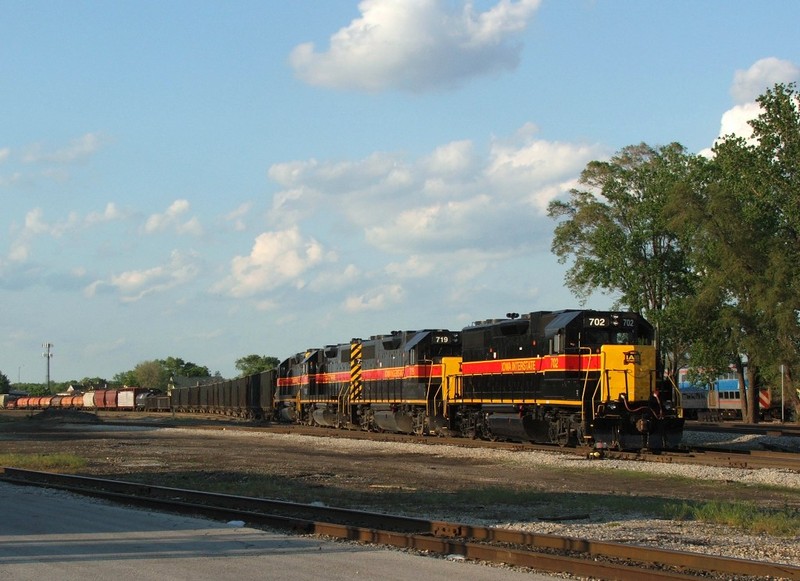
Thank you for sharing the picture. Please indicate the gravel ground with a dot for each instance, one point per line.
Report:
(666, 534)
(741, 441)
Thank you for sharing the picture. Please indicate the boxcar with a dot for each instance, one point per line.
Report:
(126, 398)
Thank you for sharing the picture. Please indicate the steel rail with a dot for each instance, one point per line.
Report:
(581, 556)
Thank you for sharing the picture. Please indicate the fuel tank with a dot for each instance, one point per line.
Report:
(324, 417)
(511, 426)
(287, 414)
(390, 421)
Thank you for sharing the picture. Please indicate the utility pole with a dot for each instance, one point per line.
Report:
(48, 355)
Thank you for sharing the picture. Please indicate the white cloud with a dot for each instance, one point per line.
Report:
(276, 259)
(77, 150)
(45, 162)
(450, 199)
(452, 215)
(36, 226)
(335, 279)
(375, 299)
(134, 285)
(10, 180)
(435, 227)
(736, 121)
(238, 215)
(763, 74)
(451, 160)
(110, 213)
(417, 46)
(545, 168)
(747, 86)
(172, 219)
(414, 267)
(497, 207)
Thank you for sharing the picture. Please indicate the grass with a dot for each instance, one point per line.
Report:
(742, 515)
(46, 462)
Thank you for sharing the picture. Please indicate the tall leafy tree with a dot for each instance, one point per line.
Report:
(5, 384)
(176, 366)
(252, 364)
(742, 228)
(151, 374)
(777, 131)
(126, 378)
(727, 252)
(156, 373)
(615, 230)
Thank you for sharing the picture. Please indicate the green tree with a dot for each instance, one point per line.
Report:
(93, 382)
(742, 228)
(777, 131)
(37, 389)
(175, 366)
(126, 378)
(252, 364)
(151, 374)
(5, 384)
(615, 229)
(156, 373)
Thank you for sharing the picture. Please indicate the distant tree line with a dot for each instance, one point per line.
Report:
(708, 249)
(155, 374)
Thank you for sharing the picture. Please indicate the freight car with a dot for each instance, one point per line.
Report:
(564, 377)
(246, 397)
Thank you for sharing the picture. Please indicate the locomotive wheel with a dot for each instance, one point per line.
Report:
(558, 436)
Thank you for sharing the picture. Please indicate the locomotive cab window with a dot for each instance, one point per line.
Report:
(623, 338)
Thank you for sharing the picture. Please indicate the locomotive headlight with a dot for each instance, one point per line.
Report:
(612, 405)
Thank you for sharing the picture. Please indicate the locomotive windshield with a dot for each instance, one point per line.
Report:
(615, 329)
(605, 337)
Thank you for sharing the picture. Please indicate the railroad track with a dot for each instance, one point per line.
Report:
(581, 557)
(701, 456)
(761, 428)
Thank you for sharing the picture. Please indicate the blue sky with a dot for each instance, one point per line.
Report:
(208, 180)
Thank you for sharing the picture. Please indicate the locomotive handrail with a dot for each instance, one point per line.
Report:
(676, 393)
(430, 406)
(342, 399)
(585, 385)
(597, 388)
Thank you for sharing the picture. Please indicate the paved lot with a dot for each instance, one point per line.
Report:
(54, 535)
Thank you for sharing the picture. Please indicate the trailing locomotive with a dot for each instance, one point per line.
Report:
(564, 377)
(387, 383)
